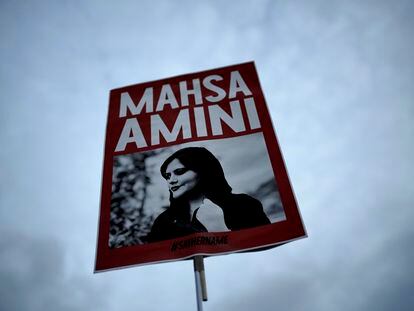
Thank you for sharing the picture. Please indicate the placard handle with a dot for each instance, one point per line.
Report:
(200, 280)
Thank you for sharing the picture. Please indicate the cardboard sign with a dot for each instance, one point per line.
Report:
(192, 166)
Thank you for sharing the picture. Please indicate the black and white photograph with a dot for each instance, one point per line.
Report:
(208, 186)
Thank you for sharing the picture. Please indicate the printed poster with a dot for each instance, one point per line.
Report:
(192, 166)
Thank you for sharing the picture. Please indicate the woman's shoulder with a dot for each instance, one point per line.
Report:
(241, 203)
(242, 199)
(242, 211)
(164, 216)
(161, 227)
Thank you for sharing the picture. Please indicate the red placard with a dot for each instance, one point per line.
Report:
(192, 166)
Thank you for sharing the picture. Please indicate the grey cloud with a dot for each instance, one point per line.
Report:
(33, 277)
(381, 280)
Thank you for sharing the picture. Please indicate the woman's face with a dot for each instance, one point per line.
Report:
(180, 179)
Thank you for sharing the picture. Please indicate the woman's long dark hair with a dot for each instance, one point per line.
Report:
(212, 184)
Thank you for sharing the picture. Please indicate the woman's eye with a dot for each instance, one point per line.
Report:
(180, 171)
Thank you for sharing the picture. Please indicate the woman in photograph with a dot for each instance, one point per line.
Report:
(201, 200)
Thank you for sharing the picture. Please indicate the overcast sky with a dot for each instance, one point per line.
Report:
(338, 77)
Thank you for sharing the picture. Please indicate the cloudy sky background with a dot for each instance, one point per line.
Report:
(337, 76)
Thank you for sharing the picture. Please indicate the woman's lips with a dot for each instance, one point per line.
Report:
(175, 188)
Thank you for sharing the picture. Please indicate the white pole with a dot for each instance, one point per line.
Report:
(200, 280)
(198, 291)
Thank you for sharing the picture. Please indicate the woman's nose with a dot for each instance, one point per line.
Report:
(172, 180)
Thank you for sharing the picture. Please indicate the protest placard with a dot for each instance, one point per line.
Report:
(192, 166)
